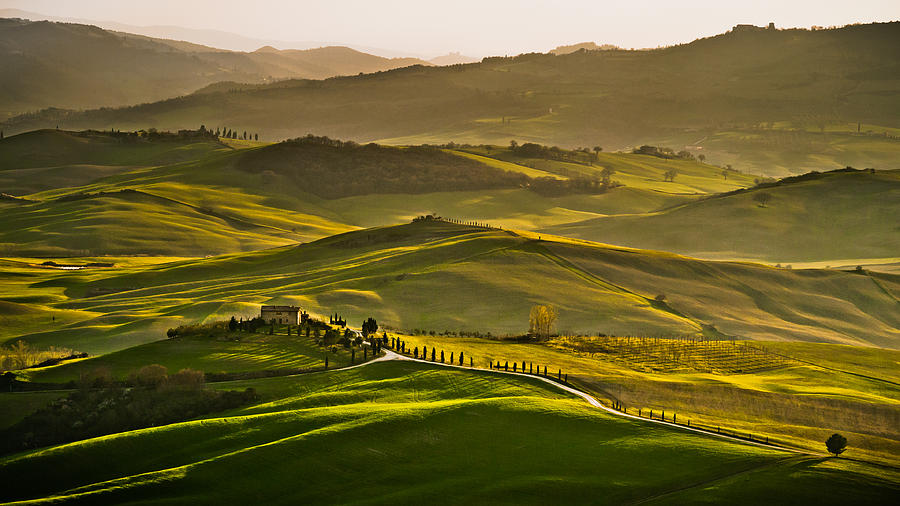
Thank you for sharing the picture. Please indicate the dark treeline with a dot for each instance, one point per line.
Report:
(663, 152)
(332, 168)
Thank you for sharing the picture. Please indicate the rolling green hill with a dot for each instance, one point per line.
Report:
(95, 193)
(614, 98)
(50, 159)
(829, 217)
(75, 66)
(437, 275)
(413, 422)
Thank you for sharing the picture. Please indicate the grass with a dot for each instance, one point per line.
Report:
(800, 404)
(676, 355)
(506, 439)
(14, 406)
(208, 206)
(785, 149)
(643, 172)
(445, 276)
(231, 353)
(827, 219)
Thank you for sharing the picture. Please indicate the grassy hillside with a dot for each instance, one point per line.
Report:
(816, 390)
(77, 66)
(226, 353)
(645, 172)
(444, 276)
(50, 159)
(95, 193)
(613, 98)
(793, 147)
(839, 218)
(412, 422)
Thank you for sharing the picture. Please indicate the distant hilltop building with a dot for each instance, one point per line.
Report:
(752, 28)
(282, 314)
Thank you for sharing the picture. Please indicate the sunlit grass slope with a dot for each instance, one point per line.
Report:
(46, 159)
(835, 217)
(120, 195)
(232, 353)
(794, 147)
(643, 172)
(505, 439)
(820, 389)
(438, 275)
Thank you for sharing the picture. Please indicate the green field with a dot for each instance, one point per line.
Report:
(232, 353)
(429, 275)
(413, 423)
(818, 389)
(98, 194)
(827, 218)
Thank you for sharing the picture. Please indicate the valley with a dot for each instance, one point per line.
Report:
(667, 275)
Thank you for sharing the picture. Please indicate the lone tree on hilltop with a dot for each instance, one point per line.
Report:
(669, 175)
(836, 444)
(541, 320)
(762, 198)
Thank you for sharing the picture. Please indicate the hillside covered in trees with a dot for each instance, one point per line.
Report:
(331, 168)
(615, 98)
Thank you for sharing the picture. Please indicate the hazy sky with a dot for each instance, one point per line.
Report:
(474, 27)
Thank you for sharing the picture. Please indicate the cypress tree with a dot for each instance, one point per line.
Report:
(432, 354)
(451, 357)
(506, 366)
(514, 366)
(460, 358)
(442, 356)
(326, 361)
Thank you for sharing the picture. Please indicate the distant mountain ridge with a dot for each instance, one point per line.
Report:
(616, 98)
(212, 38)
(453, 59)
(48, 64)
